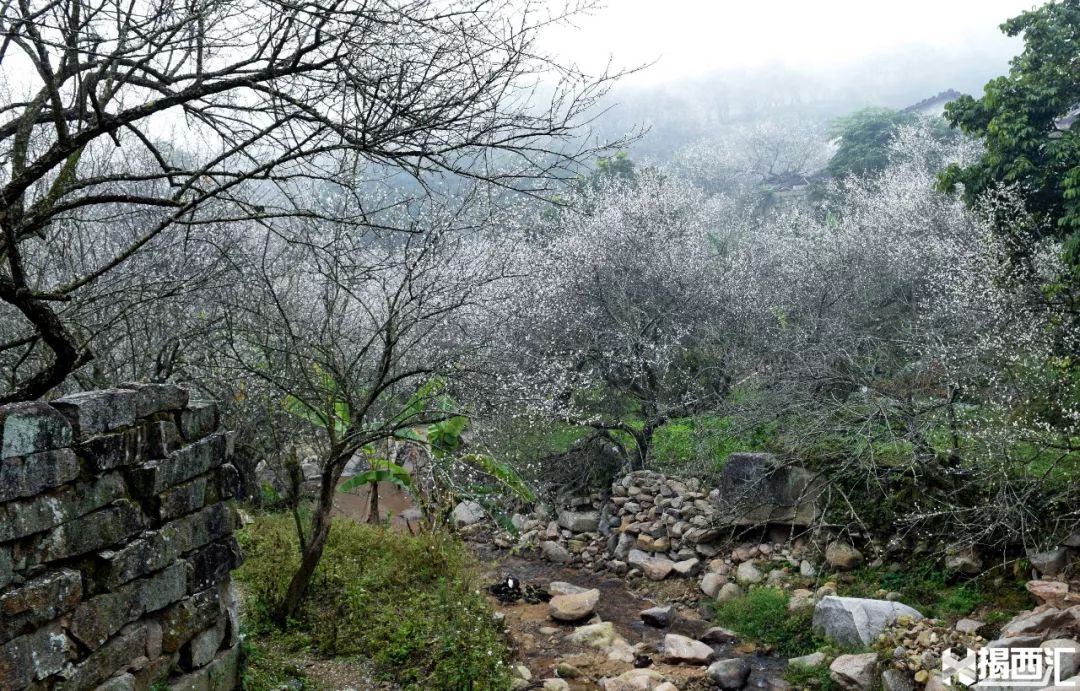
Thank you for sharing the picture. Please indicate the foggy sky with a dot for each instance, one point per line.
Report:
(691, 38)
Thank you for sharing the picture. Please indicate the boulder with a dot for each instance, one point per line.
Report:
(564, 588)
(755, 488)
(718, 635)
(811, 661)
(623, 544)
(657, 568)
(600, 635)
(801, 599)
(660, 617)
(1065, 655)
(635, 680)
(729, 591)
(555, 684)
(968, 626)
(579, 521)
(711, 583)
(748, 574)
(857, 622)
(730, 674)
(95, 412)
(854, 672)
(555, 552)
(573, 607)
(1048, 592)
(637, 558)
(1051, 562)
(565, 670)
(687, 567)
(964, 563)
(895, 680)
(842, 556)
(683, 649)
(32, 427)
(465, 514)
(1045, 622)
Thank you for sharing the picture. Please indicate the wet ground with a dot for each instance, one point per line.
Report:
(620, 603)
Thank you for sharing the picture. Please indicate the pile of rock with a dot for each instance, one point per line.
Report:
(576, 533)
(659, 526)
(664, 525)
(116, 543)
(909, 648)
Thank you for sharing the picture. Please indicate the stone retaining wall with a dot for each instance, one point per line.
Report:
(116, 543)
(647, 516)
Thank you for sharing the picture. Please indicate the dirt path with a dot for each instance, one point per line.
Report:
(542, 643)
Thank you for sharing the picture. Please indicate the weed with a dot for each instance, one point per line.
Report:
(810, 678)
(762, 615)
(409, 603)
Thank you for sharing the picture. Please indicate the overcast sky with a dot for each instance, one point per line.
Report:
(693, 37)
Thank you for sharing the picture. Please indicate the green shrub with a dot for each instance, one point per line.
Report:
(810, 678)
(409, 603)
(762, 616)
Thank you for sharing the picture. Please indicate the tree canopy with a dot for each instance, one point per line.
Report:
(1027, 120)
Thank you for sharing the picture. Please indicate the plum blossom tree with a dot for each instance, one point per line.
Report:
(619, 321)
(168, 117)
(909, 359)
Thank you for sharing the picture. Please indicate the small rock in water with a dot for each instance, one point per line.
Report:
(730, 674)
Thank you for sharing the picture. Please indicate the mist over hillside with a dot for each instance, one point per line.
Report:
(680, 111)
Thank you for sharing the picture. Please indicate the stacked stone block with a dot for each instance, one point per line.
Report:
(647, 514)
(116, 543)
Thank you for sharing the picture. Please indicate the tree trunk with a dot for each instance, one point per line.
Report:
(320, 531)
(373, 504)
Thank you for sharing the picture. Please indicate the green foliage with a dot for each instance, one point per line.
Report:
(265, 670)
(1019, 119)
(383, 470)
(409, 603)
(931, 591)
(701, 444)
(762, 615)
(331, 414)
(810, 678)
(864, 137)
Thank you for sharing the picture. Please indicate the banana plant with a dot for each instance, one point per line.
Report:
(443, 439)
(382, 470)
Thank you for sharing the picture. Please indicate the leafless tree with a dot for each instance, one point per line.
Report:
(357, 330)
(168, 117)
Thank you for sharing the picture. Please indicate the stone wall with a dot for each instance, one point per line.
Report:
(116, 543)
(659, 526)
(647, 516)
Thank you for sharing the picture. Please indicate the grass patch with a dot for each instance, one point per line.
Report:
(267, 671)
(810, 678)
(411, 604)
(931, 591)
(761, 615)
